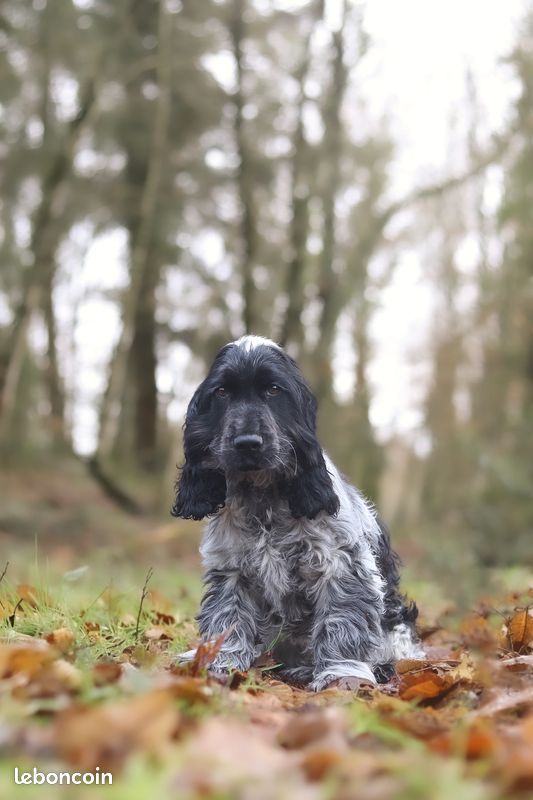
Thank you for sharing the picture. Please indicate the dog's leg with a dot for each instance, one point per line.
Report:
(229, 605)
(347, 633)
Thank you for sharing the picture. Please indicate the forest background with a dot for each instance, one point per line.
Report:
(176, 173)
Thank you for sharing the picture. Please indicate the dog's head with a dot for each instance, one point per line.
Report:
(253, 414)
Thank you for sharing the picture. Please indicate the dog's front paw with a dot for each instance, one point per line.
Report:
(347, 674)
(187, 656)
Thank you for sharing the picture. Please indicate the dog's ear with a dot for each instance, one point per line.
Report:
(310, 491)
(200, 490)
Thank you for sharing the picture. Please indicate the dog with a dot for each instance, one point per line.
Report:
(297, 562)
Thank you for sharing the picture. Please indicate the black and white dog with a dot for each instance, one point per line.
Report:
(296, 560)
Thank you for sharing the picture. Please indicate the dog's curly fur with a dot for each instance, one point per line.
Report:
(297, 561)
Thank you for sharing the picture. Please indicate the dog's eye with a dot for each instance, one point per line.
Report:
(273, 390)
(221, 392)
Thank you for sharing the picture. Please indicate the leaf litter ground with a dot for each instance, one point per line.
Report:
(87, 684)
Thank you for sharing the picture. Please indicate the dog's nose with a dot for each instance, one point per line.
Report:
(248, 441)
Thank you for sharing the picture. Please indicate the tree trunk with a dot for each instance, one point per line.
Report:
(291, 331)
(244, 176)
(54, 382)
(110, 416)
(38, 279)
(328, 276)
(369, 461)
(144, 365)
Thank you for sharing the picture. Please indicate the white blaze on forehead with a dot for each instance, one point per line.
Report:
(250, 342)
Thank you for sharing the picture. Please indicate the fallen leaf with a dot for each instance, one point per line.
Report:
(519, 631)
(206, 652)
(464, 671)
(62, 638)
(67, 675)
(424, 688)
(307, 726)
(157, 633)
(164, 619)
(194, 690)
(515, 759)
(518, 663)
(106, 672)
(25, 659)
(30, 595)
(158, 602)
(318, 762)
(506, 702)
(225, 754)
(409, 664)
(481, 740)
(476, 632)
(104, 736)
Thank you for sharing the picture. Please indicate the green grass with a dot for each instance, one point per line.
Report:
(88, 598)
(105, 596)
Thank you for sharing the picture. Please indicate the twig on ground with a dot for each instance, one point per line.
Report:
(143, 597)
(12, 616)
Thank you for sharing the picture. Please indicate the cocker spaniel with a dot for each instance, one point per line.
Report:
(296, 560)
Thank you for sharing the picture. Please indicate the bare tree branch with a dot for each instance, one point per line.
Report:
(441, 187)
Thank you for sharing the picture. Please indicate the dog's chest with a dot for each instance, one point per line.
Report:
(273, 560)
(280, 556)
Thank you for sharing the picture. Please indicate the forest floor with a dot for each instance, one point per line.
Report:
(96, 605)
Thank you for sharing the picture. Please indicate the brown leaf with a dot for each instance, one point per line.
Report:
(318, 762)
(106, 672)
(308, 726)
(516, 663)
(24, 660)
(157, 633)
(409, 664)
(87, 737)
(206, 652)
(464, 671)
(506, 701)
(225, 754)
(62, 638)
(481, 740)
(520, 630)
(194, 690)
(476, 633)
(91, 627)
(423, 722)
(65, 674)
(164, 619)
(158, 602)
(36, 671)
(431, 685)
(424, 680)
(478, 740)
(515, 759)
(31, 595)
